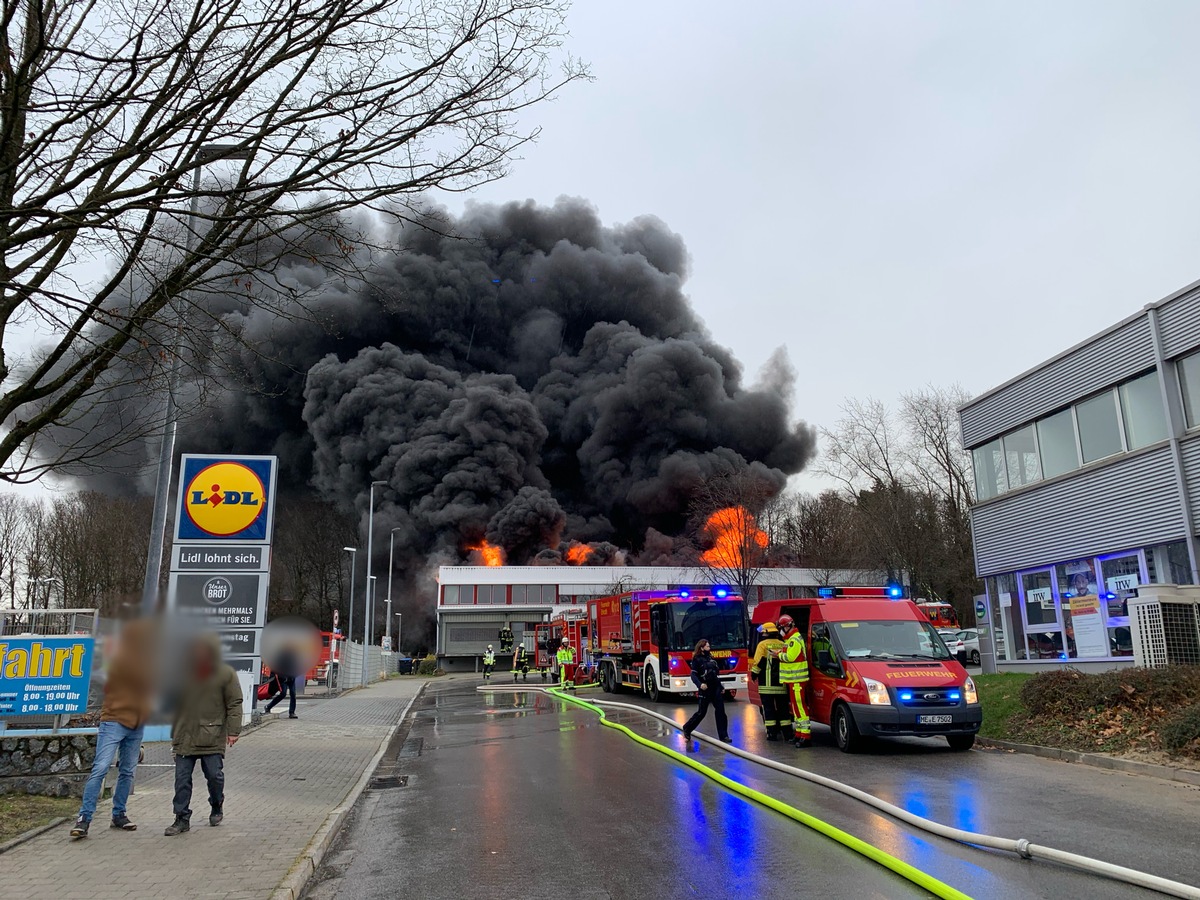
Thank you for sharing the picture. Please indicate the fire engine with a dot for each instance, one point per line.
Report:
(571, 624)
(645, 639)
(940, 613)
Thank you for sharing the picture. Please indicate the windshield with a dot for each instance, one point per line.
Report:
(889, 640)
(722, 623)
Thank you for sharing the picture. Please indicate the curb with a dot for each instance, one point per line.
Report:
(306, 865)
(1098, 761)
(32, 833)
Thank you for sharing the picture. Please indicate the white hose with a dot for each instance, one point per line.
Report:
(1020, 846)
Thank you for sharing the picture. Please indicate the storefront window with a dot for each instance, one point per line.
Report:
(1189, 380)
(1056, 440)
(1142, 411)
(1122, 575)
(1169, 563)
(1038, 592)
(1006, 624)
(1099, 434)
(1083, 616)
(1021, 458)
(990, 478)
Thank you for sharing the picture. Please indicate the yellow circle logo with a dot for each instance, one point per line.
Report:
(225, 498)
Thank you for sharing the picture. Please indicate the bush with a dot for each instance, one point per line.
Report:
(1070, 693)
(1182, 731)
(428, 666)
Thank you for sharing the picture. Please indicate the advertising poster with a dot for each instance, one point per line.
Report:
(1085, 628)
(45, 675)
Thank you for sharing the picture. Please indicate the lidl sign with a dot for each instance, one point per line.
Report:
(225, 498)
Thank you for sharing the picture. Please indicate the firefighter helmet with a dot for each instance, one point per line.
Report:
(489, 646)
(785, 623)
(768, 628)
(566, 642)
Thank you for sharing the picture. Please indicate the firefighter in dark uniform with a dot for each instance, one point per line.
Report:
(520, 663)
(506, 639)
(764, 669)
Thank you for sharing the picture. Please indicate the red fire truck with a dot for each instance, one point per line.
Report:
(571, 624)
(644, 639)
(940, 613)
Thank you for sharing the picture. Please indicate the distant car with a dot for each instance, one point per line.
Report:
(970, 640)
(954, 643)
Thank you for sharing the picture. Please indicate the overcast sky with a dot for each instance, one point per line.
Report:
(901, 193)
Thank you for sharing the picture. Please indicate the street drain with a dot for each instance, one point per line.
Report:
(389, 781)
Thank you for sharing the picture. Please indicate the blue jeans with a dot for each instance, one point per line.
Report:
(113, 738)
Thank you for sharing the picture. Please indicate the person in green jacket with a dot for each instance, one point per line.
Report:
(208, 720)
(489, 662)
(566, 665)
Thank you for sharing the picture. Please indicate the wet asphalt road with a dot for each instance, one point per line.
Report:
(522, 795)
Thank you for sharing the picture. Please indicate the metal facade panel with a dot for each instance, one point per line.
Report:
(1189, 450)
(1179, 322)
(1130, 503)
(1092, 367)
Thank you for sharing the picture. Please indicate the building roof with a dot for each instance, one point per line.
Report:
(585, 579)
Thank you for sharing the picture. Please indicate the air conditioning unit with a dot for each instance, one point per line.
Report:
(1166, 629)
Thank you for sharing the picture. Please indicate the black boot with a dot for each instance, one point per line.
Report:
(179, 826)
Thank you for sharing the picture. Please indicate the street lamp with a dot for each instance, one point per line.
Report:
(369, 631)
(350, 627)
(371, 606)
(166, 451)
(391, 564)
(47, 581)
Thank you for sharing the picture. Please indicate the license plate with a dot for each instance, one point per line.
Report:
(934, 720)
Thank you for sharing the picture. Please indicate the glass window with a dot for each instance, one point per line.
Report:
(1039, 599)
(1021, 458)
(1008, 629)
(1083, 616)
(549, 593)
(1169, 564)
(1142, 410)
(1189, 380)
(1098, 431)
(1056, 440)
(1122, 575)
(990, 480)
(520, 593)
(495, 594)
(450, 594)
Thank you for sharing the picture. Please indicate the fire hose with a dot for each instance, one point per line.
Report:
(1022, 847)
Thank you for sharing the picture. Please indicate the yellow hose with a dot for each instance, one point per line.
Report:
(904, 870)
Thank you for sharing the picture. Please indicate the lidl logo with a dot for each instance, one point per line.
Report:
(225, 498)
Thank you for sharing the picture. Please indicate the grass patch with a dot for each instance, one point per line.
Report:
(1000, 697)
(20, 812)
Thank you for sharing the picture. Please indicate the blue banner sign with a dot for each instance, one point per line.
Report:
(42, 676)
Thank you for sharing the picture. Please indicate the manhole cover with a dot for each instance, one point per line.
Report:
(389, 781)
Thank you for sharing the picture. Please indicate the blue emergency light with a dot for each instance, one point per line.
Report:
(1109, 596)
(685, 594)
(721, 591)
(954, 695)
(895, 591)
(906, 695)
(826, 592)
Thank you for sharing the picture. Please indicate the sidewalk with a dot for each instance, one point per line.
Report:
(281, 784)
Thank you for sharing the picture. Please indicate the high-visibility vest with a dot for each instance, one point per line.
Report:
(768, 669)
(566, 656)
(793, 664)
(489, 658)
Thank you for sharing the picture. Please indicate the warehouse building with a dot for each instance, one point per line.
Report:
(475, 602)
(1087, 473)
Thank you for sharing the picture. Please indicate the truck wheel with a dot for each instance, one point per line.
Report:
(651, 683)
(960, 742)
(845, 732)
(609, 678)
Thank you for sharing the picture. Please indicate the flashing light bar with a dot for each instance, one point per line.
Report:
(826, 592)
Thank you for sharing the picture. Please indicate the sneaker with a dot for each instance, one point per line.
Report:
(80, 828)
(123, 823)
(179, 826)
(215, 818)
(293, 716)
(725, 739)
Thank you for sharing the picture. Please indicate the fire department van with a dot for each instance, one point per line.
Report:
(877, 668)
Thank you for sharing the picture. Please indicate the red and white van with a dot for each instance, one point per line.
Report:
(877, 668)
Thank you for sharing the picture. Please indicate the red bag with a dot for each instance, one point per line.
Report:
(264, 690)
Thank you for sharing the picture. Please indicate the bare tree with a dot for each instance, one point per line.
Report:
(307, 110)
(823, 534)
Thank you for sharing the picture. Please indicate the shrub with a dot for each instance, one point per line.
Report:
(428, 666)
(1070, 693)
(1182, 730)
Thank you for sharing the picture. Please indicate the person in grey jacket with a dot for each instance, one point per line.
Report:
(208, 720)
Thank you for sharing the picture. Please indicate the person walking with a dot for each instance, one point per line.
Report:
(772, 694)
(506, 638)
(706, 674)
(285, 671)
(520, 663)
(793, 672)
(128, 700)
(566, 665)
(489, 662)
(208, 720)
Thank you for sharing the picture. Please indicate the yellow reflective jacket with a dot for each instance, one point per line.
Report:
(767, 668)
(566, 656)
(793, 664)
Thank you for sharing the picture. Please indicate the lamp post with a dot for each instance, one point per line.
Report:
(350, 627)
(47, 581)
(391, 564)
(368, 630)
(166, 451)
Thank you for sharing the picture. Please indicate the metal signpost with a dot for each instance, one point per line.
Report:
(221, 558)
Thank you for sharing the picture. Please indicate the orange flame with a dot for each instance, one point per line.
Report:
(578, 554)
(490, 554)
(735, 534)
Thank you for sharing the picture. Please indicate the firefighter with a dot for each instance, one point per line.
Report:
(506, 639)
(772, 693)
(520, 663)
(489, 661)
(793, 673)
(566, 665)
